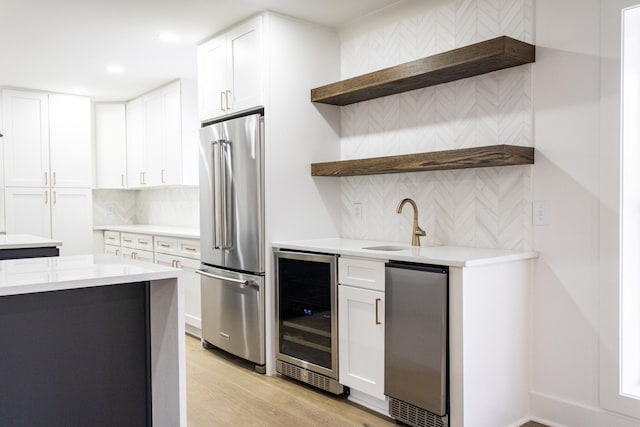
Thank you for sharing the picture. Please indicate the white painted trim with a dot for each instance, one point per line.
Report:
(569, 414)
(373, 403)
(611, 397)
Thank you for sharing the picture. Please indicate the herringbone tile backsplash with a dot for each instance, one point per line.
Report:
(488, 207)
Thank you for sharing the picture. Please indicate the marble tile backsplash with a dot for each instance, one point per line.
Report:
(487, 207)
(172, 206)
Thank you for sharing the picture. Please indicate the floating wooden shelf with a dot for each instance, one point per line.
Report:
(463, 158)
(479, 58)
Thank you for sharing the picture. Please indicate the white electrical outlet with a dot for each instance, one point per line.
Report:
(357, 211)
(540, 216)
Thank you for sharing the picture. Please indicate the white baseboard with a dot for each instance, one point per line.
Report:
(555, 412)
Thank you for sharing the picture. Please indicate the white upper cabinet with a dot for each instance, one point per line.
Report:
(26, 138)
(111, 146)
(162, 137)
(47, 140)
(70, 141)
(230, 71)
(135, 143)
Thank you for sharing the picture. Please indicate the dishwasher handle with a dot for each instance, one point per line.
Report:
(228, 279)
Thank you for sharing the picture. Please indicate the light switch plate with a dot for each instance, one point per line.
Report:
(540, 216)
(357, 211)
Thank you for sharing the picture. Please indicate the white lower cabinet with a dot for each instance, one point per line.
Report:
(171, 251)
(361, 328)
(361, 339)
(137, 254)
(112, 250)
(192, 311)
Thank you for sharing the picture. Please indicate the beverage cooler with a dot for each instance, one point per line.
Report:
(306, 318)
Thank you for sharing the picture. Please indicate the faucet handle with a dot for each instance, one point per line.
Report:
(420, 232)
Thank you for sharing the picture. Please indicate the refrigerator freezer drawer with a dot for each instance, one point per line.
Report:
(233, 312)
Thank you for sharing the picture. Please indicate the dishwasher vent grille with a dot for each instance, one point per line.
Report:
(309, 377)
(414, 416)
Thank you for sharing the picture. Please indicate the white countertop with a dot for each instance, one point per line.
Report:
(163, 230)
(24, 276)
(21, 241)
(452, 256)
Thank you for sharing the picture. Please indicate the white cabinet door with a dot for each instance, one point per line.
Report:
(26, 138)
(137, 254)
(361, 339)
(230, 71)
(71, 220)
(135, 142)
(111, 146)
(192, 310)
(70, 141)
(153, 136)
(244, 60)
(28, 211)
(212, 78)
(171, 171)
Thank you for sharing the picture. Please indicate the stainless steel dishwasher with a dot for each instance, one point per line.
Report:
(416, 343)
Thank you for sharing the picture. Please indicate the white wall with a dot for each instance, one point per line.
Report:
(566, 99)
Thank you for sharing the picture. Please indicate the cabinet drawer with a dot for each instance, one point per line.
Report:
(362, 273)
(137, 254)
(166, 245)
(137, 241)
(189, 248)
(112, 238)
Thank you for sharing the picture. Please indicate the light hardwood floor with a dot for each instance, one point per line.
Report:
(226, 391)
(223, 390)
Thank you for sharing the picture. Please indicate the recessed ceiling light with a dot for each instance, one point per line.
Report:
(115, 68)
(169, 37)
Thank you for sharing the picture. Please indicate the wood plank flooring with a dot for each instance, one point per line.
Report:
(226, 391)
(223, 390)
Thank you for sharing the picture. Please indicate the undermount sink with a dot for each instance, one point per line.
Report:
(386, 248)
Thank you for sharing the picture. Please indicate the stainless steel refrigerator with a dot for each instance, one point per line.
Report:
(232, 236)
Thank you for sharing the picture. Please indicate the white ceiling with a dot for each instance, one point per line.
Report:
(62, 45)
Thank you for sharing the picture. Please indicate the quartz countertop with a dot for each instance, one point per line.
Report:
(452, 256)
(23, 241)
(23, 276)
(163, 230)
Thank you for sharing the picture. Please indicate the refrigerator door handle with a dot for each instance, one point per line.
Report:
(224, 155)
(216, 198)
(228, 279)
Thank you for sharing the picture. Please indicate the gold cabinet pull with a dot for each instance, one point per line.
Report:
(53, 179)
(46, 197)
(227, 93)
(55, 198)
(162, 176)
(378, 300)
(187, 248)
(177, 263)
(222, 101)
(165, 245)
(46, 180)
(122, 180)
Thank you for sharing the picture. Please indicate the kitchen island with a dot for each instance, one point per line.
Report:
(91, 340)
(14, 246)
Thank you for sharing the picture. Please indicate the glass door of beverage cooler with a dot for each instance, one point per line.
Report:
(306, 326)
